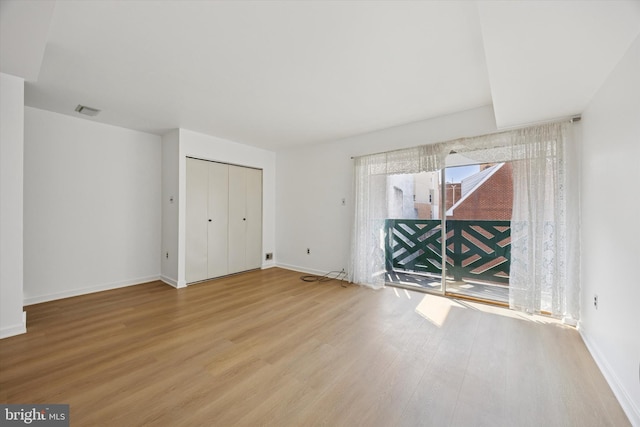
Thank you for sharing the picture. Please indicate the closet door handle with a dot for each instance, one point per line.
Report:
(209, 220)
(244, 219)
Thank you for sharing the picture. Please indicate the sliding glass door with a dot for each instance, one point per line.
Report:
(473, 204)
(399, 223)
(478, 207)
(413, 231)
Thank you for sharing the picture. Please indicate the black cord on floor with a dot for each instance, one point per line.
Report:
(332, 275)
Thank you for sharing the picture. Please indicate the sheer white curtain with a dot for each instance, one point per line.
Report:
(367, 265)
(545, 251)
(545, 225)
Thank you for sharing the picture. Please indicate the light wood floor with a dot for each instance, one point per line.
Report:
(264, 348)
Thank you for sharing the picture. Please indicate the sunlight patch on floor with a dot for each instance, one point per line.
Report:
(435, 309)
(514, 314)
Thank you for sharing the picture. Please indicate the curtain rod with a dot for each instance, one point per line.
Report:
(572, 119)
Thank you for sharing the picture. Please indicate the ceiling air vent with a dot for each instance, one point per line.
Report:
(87, 111)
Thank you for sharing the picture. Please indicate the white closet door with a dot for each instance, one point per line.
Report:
(253, 240)
(218, 219)
(196, 221)
(224, 219)
(237, 218)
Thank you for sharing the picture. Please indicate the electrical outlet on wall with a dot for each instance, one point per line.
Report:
(308, 251)
(268, 256)
(595, 301)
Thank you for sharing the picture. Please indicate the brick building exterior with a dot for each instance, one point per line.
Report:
(453, 193)
(491, 198)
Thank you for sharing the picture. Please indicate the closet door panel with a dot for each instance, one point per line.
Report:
(237, 219)
(196, 249)
(253, 240)
(218, 220)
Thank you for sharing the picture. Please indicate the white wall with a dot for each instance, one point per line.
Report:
(611, 230)
(193, 144)
(170, 184)
(91, 206)
(12, 320)
(312, 181)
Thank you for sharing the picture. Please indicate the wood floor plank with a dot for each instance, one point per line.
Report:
(266, 348)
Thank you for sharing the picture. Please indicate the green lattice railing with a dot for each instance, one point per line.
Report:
(475, 249)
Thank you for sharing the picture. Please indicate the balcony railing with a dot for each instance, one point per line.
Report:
(476, 250)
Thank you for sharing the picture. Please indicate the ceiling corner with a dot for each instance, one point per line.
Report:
(24, 29)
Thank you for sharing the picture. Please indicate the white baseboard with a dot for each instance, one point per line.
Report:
(89, 290)
(173, 282)
(302, 269)
(169, 281)
(629, 407)
(17, 329)
(268, 264)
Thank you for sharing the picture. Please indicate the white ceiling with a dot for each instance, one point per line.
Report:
(546, 59)
(280, 73)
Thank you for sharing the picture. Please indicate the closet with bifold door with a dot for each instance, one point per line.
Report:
(223, 219)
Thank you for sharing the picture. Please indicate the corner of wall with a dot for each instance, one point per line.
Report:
(169, 207)
(629, 406)
(268, 264)
(12, 317)
(17, 329)
(609, 171)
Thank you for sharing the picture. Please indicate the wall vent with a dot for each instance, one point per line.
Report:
(88, 111)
